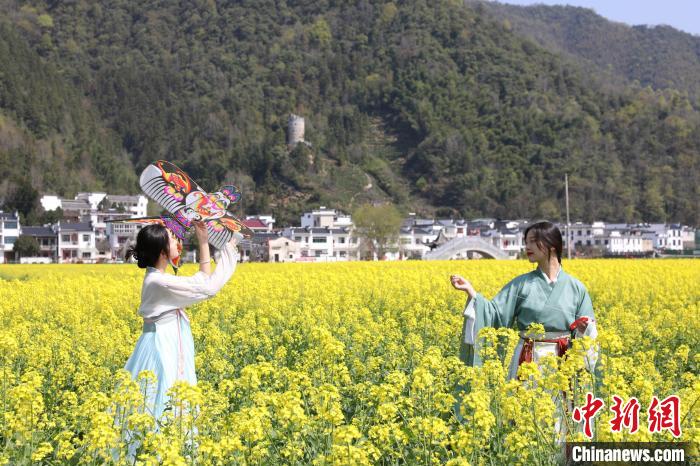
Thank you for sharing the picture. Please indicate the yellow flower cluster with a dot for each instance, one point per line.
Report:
(353, 363)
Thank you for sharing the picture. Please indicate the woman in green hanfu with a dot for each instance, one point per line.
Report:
(547, 296)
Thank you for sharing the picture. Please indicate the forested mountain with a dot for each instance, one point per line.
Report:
(436, 106)
(657, 56)
(50, 136)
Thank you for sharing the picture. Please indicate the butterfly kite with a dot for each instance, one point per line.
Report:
(186, 202)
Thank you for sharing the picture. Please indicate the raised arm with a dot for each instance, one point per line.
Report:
(200, 231)
(497, 312)
(178, 291)
(480, 312)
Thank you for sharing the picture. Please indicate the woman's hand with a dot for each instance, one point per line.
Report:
(200, 231)
(580, 324)
(462, 284)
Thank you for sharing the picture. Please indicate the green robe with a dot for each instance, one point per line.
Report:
(527, 299)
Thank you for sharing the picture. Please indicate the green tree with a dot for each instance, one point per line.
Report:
(378, 226)
(45, 21)
(25, 246)
(321, 32)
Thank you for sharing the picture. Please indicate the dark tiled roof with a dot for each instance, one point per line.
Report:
(424, 221)
(70, 204)
(262, 237)
(82, 226)
(265, 234)
(122, 197)
(38, 231)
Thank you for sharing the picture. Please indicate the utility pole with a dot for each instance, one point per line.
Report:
(568, 221)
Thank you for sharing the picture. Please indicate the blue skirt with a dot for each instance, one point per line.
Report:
(168, 353)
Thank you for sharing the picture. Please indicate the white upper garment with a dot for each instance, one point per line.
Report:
(163, 292)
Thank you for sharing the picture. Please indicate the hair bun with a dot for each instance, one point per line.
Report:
(151, 241)
(131, 252)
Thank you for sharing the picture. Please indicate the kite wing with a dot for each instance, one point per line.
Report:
(175, 191)
(222, 229)
(231, 193)
(170, 187)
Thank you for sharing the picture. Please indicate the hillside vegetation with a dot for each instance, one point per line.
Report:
(435, 106)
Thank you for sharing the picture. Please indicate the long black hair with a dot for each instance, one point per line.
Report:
(151, 241)
(546, 236)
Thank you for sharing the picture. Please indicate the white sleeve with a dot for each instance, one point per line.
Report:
(469, 321)
(227, 258)
(592, 355)
(185, 291)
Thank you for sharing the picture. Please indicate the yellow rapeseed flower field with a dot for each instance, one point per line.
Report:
(352, 363)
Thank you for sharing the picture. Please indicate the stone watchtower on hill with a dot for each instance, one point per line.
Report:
(295, 130)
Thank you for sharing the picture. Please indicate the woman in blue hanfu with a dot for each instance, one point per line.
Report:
(166, 347)
(547, 296)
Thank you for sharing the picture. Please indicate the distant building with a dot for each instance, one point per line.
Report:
(86, 205)
(415, 238)
(119, 236)
(76, 243)
(688, 238)
(95, 208)
(136, 205)
(76, 210)
(47, 239)
(509, 240)
(626, 242)
(668, 237)
(345, 244)
(295, 130)
(324, 243)
(256, 248)
(282, 249)
(9, 232)
(50, 202)
(267, 220)
(256, 225)
(483, 223)
(325, 218)
(583, 234)
(453, 228)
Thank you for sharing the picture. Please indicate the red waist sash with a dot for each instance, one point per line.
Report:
(529, 344)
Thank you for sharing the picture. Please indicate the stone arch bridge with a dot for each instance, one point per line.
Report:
(461, 247)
